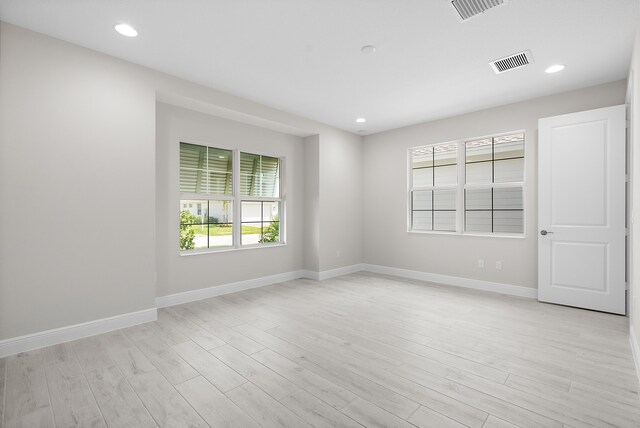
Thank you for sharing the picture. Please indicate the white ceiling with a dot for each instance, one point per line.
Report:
(303, 56)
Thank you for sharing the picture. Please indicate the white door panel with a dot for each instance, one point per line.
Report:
(584, 145)
(581, 266)
(581, 204)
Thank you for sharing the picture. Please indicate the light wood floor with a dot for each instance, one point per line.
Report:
(359, 350)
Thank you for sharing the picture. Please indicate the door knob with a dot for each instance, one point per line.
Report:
(544, 232)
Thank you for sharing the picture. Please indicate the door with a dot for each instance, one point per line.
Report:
(581, 209)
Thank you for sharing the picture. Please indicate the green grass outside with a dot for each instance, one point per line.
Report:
(201, 230)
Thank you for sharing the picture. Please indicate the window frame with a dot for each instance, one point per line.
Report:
(237, 200)
(248, 198)
(461, 187)
(435, 187)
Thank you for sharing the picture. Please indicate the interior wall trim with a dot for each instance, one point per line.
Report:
(78, 331)
(332, 273)
(475, 284)
(234, 287)
(29, 342)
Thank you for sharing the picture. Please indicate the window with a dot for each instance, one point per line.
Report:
(494, 184)
(214, 182)
(472, 186)
(259, 198)
(435, 173)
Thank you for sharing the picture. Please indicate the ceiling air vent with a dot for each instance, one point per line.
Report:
(470, 8)
(511, 62)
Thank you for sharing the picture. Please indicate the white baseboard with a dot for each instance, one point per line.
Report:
(52, 337)
(15, 345)
(476, 284)
(635, 349)
(312, 274)
(326, 274)
(219, 290)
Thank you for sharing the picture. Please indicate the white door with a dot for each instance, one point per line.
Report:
(581, 209)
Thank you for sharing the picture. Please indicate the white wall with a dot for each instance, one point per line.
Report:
(178, 273)
(77, 135)
(340, 200)
(386, 240)
(634, 268)
(312, 203)
(76, 167)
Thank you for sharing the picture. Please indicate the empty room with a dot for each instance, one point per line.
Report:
(320, 213)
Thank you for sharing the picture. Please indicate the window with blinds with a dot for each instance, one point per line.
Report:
(259, 175)
(494, 179)
(260, 198)
(471, 186)
(214, 182)
(205, 170)
(435, 173)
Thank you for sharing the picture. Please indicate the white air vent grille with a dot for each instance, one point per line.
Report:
(511, 62)
(470, 8)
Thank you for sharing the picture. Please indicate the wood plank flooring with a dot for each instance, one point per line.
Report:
(358, 350)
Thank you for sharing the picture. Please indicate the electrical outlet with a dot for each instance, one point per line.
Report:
(498, 265)
(339, 253)
(480, 263)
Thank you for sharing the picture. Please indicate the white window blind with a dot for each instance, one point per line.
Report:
(469, 186)
(435, 179)
(259, 175)
(205, 170)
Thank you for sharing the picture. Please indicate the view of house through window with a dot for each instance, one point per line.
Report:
(212, 227)
(260, 222)
(473, 186)
(208, 202)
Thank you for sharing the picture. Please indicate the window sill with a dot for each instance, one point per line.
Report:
(229, 249)
(480, 235)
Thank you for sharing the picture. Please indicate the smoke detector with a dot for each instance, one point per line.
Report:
(470, 8)
(511, 62)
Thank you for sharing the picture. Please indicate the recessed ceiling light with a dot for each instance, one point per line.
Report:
(126, 30)
(361, 120)
(554, 68)
(369, 49)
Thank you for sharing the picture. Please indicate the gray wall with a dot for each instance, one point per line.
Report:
(633, 98)
(386, 240)
(77, 164)
(178, 273)
(340, 201)
(78, 177)
(78, 157)
(312, 203)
